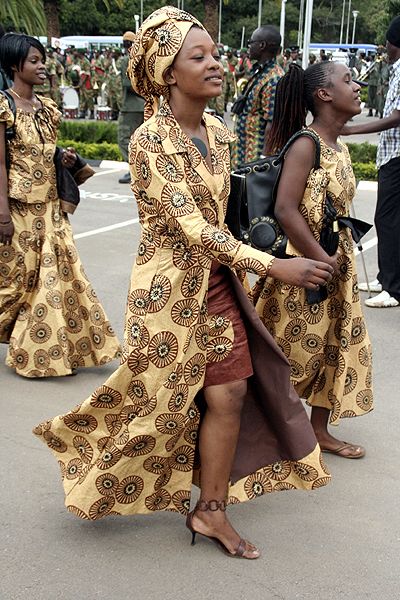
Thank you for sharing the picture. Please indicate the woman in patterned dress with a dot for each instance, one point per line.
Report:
(326, 342)
(49, 312)
(132, 446)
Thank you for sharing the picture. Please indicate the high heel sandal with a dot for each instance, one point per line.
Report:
(214, 505)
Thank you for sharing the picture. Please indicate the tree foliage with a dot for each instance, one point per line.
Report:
(23, 15)
(239, 17)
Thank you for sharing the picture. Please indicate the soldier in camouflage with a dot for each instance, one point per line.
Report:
(132, 105)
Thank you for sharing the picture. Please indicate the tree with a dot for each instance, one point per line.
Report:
(52, 12)
(23, 15)
(211, 9)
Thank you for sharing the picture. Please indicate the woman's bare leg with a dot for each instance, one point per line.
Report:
(217, 445)
(319, 421)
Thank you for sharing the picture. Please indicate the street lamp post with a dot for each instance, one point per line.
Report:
(301, 25)
(259, 12)
(282, 24)
(348, 23)
(219, 21)
(342, 22)
(355, 15)
(307, 33)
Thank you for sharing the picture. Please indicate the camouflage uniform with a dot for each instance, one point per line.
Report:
(55, 71)
(228, 90)
(383, 85)
(114, 86)
(72, 70)
(132, 107)
(86, 91)
(217, 104)
(373, 80)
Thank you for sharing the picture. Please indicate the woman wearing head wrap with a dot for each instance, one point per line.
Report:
(133, 446)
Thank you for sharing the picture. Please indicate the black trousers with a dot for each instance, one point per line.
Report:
(387, 223)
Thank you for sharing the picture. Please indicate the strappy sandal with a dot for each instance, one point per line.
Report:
(213, 505)
(347, 450)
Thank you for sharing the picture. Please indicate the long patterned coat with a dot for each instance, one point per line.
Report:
(131, 446)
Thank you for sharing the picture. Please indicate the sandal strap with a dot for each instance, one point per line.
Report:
(212, 505)
(241, 549)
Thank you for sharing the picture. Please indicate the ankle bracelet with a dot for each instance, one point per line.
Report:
(212, 505)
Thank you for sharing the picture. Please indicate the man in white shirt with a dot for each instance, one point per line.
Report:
(387, 214)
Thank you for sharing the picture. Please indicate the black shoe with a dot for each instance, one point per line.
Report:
(125, 178)
(370, 113)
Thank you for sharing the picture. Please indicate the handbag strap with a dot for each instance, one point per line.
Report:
(309, 133)
(10, 131)
(251, 82)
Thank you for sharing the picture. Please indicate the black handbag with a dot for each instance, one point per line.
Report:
(250, 213)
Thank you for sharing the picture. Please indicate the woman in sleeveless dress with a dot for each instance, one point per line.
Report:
(325, 340)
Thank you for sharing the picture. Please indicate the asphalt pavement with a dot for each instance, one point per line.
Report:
(337, 543)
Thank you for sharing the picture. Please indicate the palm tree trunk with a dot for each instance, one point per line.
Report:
(51, 10)
(211, 17)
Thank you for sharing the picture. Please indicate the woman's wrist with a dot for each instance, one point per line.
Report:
(269, 267)
(5, 217)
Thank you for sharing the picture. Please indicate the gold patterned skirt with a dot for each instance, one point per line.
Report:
(49, 312)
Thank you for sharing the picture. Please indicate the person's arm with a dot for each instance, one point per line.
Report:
(180, 209)
(296, 168)
(393, 120)
(6, 224)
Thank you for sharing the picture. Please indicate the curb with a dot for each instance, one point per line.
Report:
(108, 164)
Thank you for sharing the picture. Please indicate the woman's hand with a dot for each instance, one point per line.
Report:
(6, 231)
(333, 262)
(69, 157)
(302, 272)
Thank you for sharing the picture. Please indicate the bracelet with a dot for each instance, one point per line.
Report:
(270, 266)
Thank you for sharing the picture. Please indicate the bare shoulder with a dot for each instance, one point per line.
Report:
(302, 152)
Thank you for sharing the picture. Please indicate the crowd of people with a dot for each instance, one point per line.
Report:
(211, 375)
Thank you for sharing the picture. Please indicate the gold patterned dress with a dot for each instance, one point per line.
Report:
(326, 344)
(131, 446)
(49, 313)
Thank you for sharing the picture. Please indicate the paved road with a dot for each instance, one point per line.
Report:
(340, 542)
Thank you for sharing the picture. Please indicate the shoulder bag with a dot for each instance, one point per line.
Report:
(251, 206)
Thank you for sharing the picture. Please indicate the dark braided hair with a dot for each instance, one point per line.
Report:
(295, 96)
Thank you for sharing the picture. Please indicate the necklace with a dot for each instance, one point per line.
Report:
(200, 145)
(34, 103)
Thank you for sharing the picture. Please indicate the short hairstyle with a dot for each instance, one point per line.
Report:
(271, 35)
(14, 49)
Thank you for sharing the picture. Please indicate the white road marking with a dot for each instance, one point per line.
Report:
(104, 229)
(109, 171)
(368, 186)
(367, 245)
(107, 196)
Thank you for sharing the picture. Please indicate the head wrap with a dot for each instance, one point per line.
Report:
(128, 36)
(393, 33)
(154, 49)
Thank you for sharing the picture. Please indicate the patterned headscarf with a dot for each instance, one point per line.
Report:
(156, 45)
